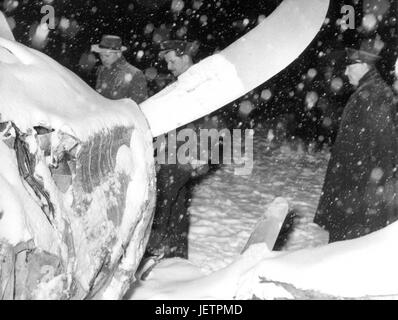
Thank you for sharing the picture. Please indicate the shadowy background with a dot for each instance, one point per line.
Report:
(305, 100)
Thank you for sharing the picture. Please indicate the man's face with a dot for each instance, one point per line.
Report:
(176, 65)
(355, 72)
(109, 57)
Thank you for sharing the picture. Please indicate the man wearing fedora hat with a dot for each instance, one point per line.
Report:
(117, 79)
(359, 194)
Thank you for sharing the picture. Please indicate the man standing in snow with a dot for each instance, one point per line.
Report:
(169, 236)
(117, 79)
(359, 194)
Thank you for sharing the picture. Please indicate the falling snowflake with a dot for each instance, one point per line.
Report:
(369, 22)
(140, 54)
(149, 28)
(260, 18)
(336, 84)
(311, 99)
(311, 74)
(64, 23)
(327, 122)
(197, 4)
(245, 107)
(377, 174)
(128, 77)
(203, 20)
(300, 86)
(177, 6)
(266, 94)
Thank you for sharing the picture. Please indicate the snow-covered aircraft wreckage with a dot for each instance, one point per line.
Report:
(77, 178)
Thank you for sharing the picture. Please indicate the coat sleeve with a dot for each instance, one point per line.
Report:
(132, 86)
(98, 82)
(138, 90)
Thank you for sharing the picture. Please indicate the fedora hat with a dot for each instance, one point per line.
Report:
(109, 43)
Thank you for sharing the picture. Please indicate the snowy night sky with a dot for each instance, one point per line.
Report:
(309, 95)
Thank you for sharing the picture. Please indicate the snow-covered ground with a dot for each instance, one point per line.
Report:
(226, 207)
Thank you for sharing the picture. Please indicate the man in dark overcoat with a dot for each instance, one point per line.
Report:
(116, 78)
(359, 194)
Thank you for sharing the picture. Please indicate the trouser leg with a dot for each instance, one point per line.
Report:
(171, 222)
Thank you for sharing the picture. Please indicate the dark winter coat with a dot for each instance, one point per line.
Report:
(359, 194)
(122, 80)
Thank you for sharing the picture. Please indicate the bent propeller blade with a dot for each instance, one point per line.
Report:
(247, 63)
